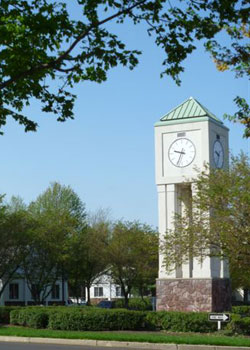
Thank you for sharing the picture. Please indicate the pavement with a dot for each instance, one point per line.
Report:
(102, 344)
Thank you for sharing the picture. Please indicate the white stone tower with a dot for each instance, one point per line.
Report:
(185, 139)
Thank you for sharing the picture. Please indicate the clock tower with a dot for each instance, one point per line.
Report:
(185, 139)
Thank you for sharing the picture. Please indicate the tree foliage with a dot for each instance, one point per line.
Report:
(133, 256)
(218, 218)
(88, 253)
(15, 228)
(59, 215)
(54, 239)
(40, 42)
(59, 200)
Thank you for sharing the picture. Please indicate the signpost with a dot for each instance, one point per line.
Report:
(219, 318)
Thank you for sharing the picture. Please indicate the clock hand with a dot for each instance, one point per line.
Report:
(181, 155)
(182, 152)
(218, 154)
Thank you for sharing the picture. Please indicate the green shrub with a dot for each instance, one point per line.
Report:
(241, 310)
(14, 317)
(180, 321)
(239, 325)
(135, 304)
(34, 317)
(5, 313)
(96, 319)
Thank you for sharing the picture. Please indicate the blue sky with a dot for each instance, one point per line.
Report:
(107, 153)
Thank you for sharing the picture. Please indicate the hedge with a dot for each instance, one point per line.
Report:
(5, 313)
(180, 321)
(241, 310)
(96, 320)
(34, 317)
(239, 325)
(139, 304)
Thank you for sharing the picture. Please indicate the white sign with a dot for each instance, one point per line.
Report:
(219, 317)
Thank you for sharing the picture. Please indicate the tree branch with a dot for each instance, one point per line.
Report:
(61, 58)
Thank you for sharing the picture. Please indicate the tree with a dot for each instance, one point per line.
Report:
(217, 218)
(59, 199)
(88, 254)
(41, 42)
(15, 226)
(133, 254)
(76, 264)
(59, 215)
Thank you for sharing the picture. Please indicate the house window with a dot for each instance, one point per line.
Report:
(55, 292)
(98, 291)
(119, 292)
(14, 291)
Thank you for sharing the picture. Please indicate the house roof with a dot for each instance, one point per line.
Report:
(189, 110)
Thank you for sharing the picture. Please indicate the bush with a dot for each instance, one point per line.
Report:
(34, 317)
(241, 310)
(239, 325)
(96, 319)
(180, 321)
(5, 313)
(139, 304)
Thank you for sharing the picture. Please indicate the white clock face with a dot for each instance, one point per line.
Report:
(218, 154)
(182, 152)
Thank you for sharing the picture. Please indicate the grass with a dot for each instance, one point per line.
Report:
(129, 336)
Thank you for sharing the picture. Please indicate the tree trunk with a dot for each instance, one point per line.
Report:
(141, 290)
(63, 285)
(83, 291)
(7, 280)
(4, 286)
(88, 294)
(245, 296)
(126, 300)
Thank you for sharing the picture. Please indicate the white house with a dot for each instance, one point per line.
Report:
(18, 293)
(104, 288)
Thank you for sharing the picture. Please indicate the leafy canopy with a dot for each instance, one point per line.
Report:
(87, 259)
(59, 215)
(218, 217)
(15, 228)
(133, 256)
(40, 42)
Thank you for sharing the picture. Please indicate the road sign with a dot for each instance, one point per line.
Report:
(219, 317)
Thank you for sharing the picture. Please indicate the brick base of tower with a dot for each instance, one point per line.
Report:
(193, 294)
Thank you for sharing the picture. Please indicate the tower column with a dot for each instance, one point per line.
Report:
(167, 205)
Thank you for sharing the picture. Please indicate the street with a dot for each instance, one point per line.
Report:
(30, 346)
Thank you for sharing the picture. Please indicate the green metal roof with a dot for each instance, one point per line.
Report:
(189, 109)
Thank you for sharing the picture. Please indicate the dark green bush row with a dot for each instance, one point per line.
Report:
(180, 321)
(116, 319)
(5, 313)
(96, 320)
(241, 310)
(239, 325)
(139, 304)
(34, 317)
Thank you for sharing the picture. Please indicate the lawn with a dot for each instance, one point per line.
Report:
(158, 337)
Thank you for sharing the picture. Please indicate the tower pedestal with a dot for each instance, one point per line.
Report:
(193, 294)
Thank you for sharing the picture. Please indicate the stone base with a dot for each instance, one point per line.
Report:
(193, 294)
